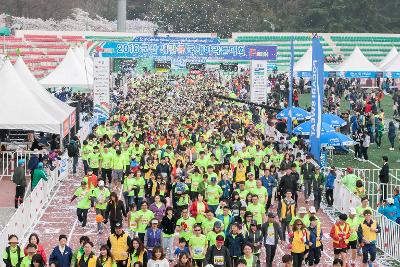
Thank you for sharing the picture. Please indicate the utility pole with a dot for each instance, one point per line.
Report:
(121, 16)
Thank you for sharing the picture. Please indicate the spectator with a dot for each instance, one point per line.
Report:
(384, 178)
(19, 180)
(330, 185)
(391, 134)
(61, 255)
(388, 209)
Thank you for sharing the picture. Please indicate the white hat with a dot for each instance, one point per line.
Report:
(353, 211)
(312, 209)
(101, 183)
(390, 200)
(302, 210)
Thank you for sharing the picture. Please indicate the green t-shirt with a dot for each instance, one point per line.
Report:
(26, 261)
(200, 208)
(202, 163)
(208, 225)
(107, 159)
(94, 160)
(198, 244)
(83, 196)
(102, 197)
(353, 223)
(144, 220)
(86, 150)
(249, 262)
(211, 236)
(195, 181)
(242, 194)
(118, 162)
(213, 193)
(226, 221)
(140, 183)
(129, 184)
(186, 226)
(306, 220)
(257, 210)
(261, 193)
(14, 255)
(133, 221)
(250, 185)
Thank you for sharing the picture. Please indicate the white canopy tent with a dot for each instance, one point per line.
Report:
(20, 108)
(304, 64)
(71, 73)
(357, 62)
(85, 60)
(391, 55)
(393, 65)
(60, 110)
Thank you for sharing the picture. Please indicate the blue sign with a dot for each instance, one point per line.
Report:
(308, 74)
(324, 159)
(393, 75)
(358, 74)
(188, 50)
(168, 39)
(317, 95)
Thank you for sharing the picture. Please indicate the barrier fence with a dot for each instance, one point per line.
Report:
(29, 212)
(9, 160)
(388, 239)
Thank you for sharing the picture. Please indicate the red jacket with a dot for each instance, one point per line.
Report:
(193, 208)
(40, 251)
(340, 237)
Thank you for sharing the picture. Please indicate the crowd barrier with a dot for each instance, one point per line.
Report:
(29, 212)
(388, 239)
(10, 160)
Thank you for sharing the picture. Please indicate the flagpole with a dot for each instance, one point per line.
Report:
(290, 100)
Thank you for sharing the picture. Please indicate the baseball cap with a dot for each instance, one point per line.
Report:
(349, 169)
(213, 179)
(155, 221)
(253, 222)
(118, 225)
(353, 211)
(101, 183)
(302, 210)
(312, 209)
(218, 224)
(271, 215)
(219, 238)
(20, 162)
(83, 183)
(343, 217)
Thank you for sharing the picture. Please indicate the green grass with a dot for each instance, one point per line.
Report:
(375, 154)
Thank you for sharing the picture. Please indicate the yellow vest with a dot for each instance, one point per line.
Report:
(318, 242)
(240, 174)
(118, 246)
(369, 235)
(91, 262)
(284, 207)
(298, 242)
(346, 230)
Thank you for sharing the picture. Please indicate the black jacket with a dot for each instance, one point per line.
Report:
(308, 170)
(168, 225)
(256, 171)
(212, 252)
(384, 174)
(234, 245)
(115, 211)
(289, 182)
(277, 229)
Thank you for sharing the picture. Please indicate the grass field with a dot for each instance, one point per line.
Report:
(375, 154)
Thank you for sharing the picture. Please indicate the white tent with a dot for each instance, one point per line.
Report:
(391, 55)
(59, 109)
(305, 63)
(71, 72)
(357, 62)
(85, 60)
(393, 65)
(20, 108)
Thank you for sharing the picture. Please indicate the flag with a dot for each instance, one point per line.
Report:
(317, 93)
(290, 100)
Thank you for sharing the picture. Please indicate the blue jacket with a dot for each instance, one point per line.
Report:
(397, 202)
(313, 236)
(226, 188)
(227, 227)
(330, 181)
(63, 260)
(153, 238)
(389, 211)
(234, 244)
(269, 183)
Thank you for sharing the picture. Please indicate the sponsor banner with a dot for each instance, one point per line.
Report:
(187, 50)
(258, 81)
(101, 87)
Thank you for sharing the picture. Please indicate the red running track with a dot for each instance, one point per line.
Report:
(60, 218)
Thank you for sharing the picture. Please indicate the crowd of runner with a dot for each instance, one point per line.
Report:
(215, 173)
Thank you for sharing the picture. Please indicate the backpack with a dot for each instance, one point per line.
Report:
(72, 150)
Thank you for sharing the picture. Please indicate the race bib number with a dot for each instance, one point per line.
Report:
(198, 251)
(219, 260)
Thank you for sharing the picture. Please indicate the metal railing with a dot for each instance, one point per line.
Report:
(30, 211)
(9, 160)
(388, 239)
